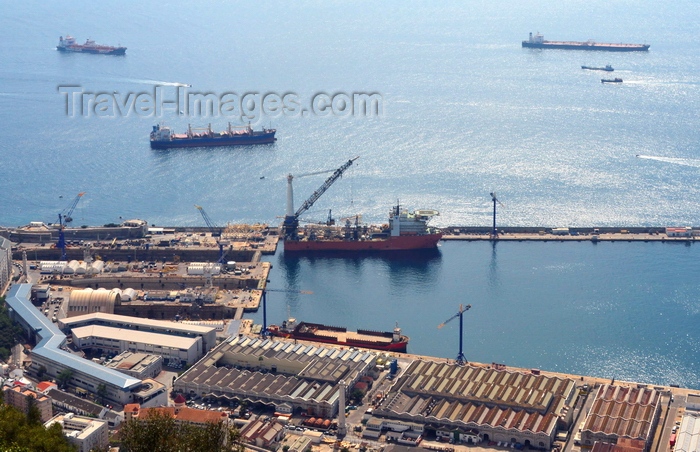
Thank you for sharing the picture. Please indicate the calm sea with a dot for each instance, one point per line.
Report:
(464, 111)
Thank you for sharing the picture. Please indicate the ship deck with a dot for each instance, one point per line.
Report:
(346, 336)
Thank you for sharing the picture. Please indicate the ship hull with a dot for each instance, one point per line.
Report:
(115, 51)
(401, 243)
(400, 346)
(587, 46)
(598, 68)
(262, 138)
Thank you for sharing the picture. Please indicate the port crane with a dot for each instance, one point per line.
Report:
(215, 232)
(494, 232)
(291, 219)
(264, 331)
(64, 217)
(69, 210)
(461, 360)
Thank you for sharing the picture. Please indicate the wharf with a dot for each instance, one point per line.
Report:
(572, 235)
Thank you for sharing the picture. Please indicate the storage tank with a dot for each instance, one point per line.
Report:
(97, 267)
(311, 421)
(318, 423)
(128, 294)
(82, 268)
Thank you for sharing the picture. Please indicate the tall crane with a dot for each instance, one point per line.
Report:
(64, 217)
(494, 232)
(215, 232)
(264, 331)
(69, 210)
(291, 219)
(461, 360)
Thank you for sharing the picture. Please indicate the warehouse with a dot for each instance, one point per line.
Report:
(208, 334)
(490, 404)
(283, 374)
(622, 412)
(50, 358)
(108, 340)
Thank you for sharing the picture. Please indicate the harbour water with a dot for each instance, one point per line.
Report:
(465, 111)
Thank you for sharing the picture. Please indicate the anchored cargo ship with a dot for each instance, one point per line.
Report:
(611, 80)
(162, 137)
(377, 340)
(405, 231)
(607, 68)
(69, 45)
(537, 42)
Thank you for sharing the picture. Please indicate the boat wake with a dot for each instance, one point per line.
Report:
(157, 82)
(142, 81)
(695, 163)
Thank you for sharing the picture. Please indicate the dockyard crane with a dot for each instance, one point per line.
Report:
(494, 232)
(291, 219)
(461, 360)
(215, 232)
(63, 218)
(69, 210)
(264, 331)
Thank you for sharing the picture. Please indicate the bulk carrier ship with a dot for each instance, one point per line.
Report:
(69, 45)
(537, 42)
(162, 137)
(405, 231)
(316, 332)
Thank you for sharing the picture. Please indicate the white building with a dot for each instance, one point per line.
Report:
(117, 340)
(208, 334)
(50, 358)
(84, 432)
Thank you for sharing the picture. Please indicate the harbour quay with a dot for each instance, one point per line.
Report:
(575, 234)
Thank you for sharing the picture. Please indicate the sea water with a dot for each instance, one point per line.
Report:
(464, 111)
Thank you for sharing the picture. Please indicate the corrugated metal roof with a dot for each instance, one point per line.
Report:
(18, 299)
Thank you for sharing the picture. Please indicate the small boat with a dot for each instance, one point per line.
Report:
(607, 68)
(611, 80)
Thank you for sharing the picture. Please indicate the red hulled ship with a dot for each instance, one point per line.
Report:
(405, 231)
(316, 332)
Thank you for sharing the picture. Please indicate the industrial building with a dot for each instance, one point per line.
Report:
(208, 334)
(138, 365)
(622, 412)
(688, 435)
(50, 357)
(484, 403)
(289, 376)
(105, 339)
(88, 301)
(85, 433)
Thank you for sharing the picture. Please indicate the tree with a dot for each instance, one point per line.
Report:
(18, 435)
(64, 377)
(40, 372)
(357, 395)
(10, 332)
(33, 413)
(102, 392)
(159, 432)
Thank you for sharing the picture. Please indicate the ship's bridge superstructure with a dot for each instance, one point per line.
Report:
(403, 222)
